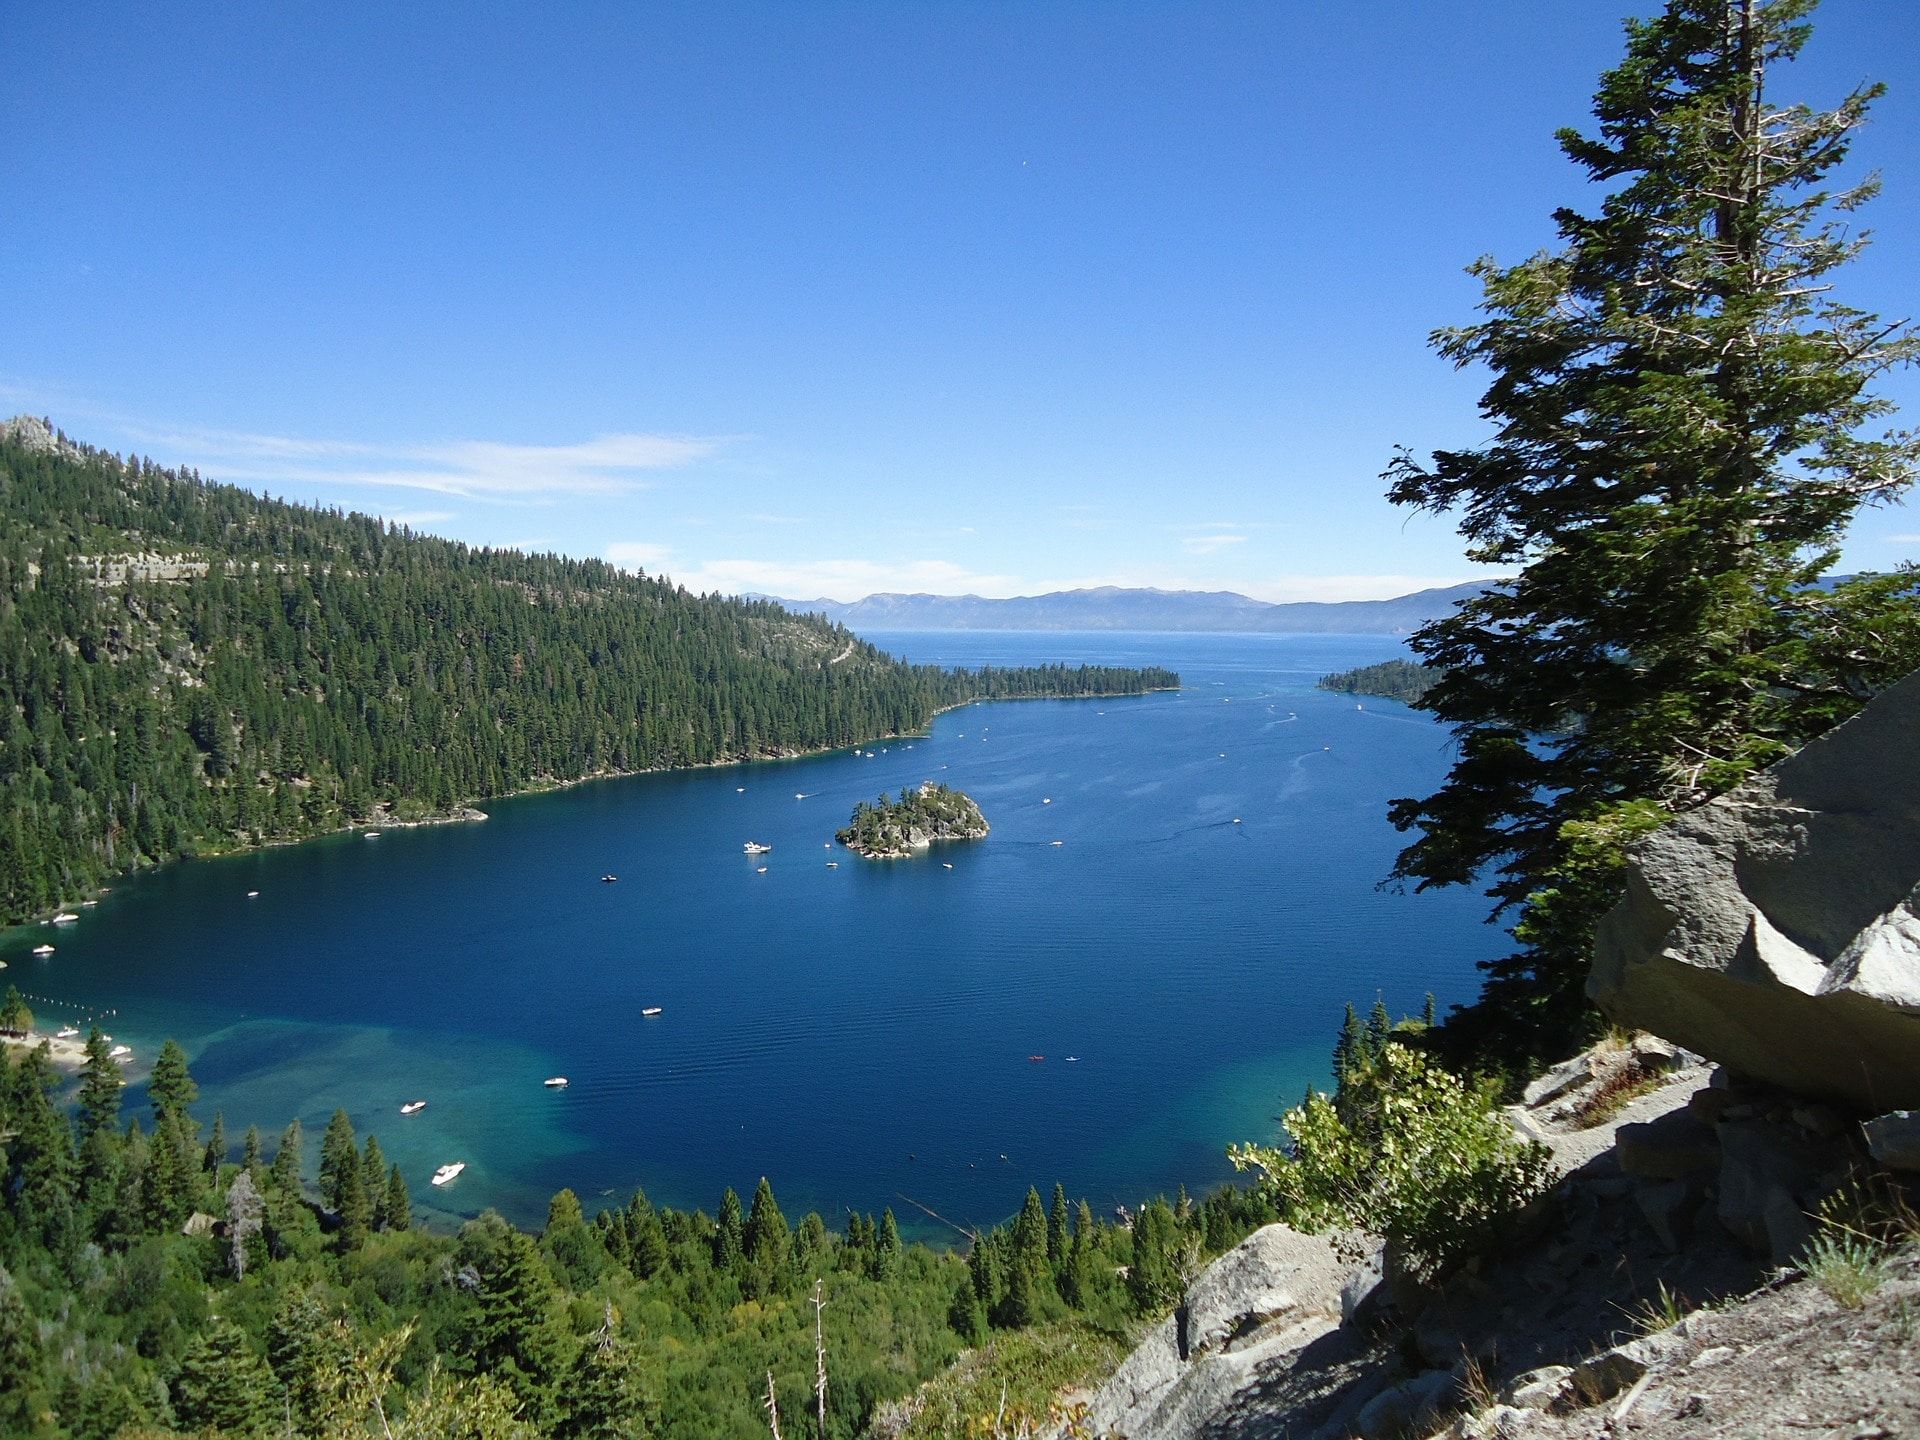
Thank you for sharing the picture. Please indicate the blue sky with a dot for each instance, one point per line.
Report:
(827, 298)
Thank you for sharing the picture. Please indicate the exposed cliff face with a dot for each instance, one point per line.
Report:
(1777, 930)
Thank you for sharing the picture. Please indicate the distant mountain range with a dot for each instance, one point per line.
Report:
(1113, 608)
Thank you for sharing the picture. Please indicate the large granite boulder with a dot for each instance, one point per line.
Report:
(1777, 930)
(1273, 1293)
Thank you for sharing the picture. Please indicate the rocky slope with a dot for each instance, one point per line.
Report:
(1733, 1250)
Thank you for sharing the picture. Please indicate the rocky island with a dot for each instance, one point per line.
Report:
(893, 829)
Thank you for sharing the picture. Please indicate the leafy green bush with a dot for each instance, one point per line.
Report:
(1434, 1169)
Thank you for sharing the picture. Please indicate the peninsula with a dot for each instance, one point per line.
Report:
(894, 829)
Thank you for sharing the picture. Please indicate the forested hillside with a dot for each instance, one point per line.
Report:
(157, 1279)
(187, 666)
(1391, 680)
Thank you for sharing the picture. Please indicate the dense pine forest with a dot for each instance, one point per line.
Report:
(1391, 680)
(188, 667)
(159, 1278)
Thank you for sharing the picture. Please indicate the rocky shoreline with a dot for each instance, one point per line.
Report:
(897, 830)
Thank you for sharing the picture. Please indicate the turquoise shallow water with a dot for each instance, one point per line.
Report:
(858, 1034)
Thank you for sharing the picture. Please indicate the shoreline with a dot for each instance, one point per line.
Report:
(466, 813)
(67, 1055)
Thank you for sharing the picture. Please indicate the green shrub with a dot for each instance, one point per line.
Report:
(1433, 1169)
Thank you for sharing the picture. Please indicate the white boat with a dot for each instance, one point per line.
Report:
(65, 1034)
(253, 894)
(65, 917)
(119, 1052)
(761, 871)
(754, 847)
(555, 1082)
(833, 864)
(43, 950)
(413, 1107)
(1046, 799)
(88, 904)
(449, 1172)
(946, 864)
(651, 1010)
(373, 835)
(1059, 842)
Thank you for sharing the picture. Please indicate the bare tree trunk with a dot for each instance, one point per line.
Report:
(819, 1362)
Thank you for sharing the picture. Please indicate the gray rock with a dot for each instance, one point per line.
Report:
(1273, 1293)
(1772, 1176)
(1777, 930)
(1502, 1422)
(1668, 1208)
(1540, 1389)
(1364, 1290)
(1894, 1139)
(1567, 1075)
(1411, 1408)
(1274, 1273)
(1143, 1380)
(30, 432)
(1612, 1371)
(1673, 1147)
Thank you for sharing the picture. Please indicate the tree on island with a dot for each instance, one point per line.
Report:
(887, 827)
(1683, 430)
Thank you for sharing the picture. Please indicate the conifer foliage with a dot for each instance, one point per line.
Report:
(1683, 425)
(186, 667)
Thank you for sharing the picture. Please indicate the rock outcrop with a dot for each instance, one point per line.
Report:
(1266, 1298)
(1777, 930)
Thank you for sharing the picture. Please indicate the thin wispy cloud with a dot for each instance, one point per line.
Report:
(636, 555)
(1901, 539)
(472, 469)
(841, 579)
(1211, 543)
(414, 519)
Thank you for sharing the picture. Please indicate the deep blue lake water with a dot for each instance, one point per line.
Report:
(858, 1034)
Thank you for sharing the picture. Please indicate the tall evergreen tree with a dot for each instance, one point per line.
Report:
(287, 1159)
(1683, 428)
(1030, 1236)
(100, 1087)
(373, 1183)
(768, 1242)
(222, 1385)
(646, 1238)
(519, 1339)
(1057, 1233)
(170, 1087)
(396, 1211)
(216, 1153)
(605, 1396)
(729, 1235)
(886, 1246)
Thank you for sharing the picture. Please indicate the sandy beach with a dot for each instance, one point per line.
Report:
(67, 1054)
